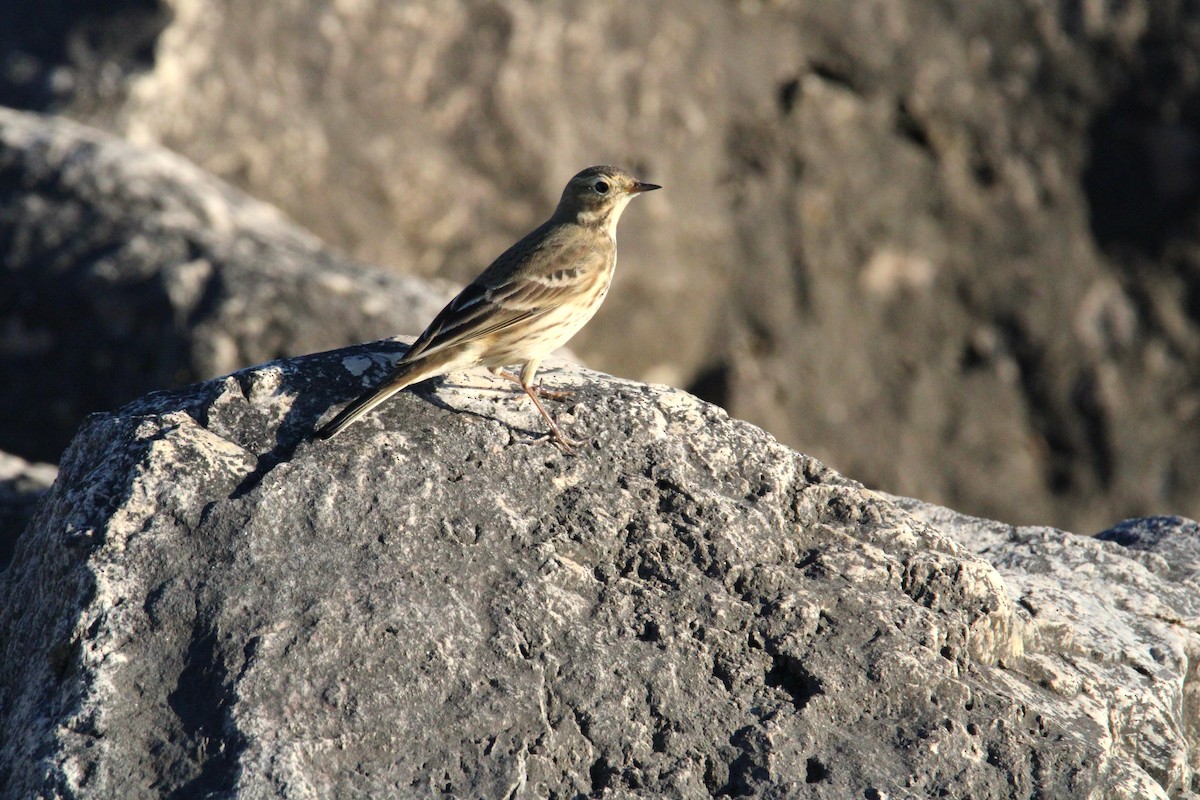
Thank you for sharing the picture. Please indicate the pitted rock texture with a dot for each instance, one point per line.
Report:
(1112, 634)
(209, 602)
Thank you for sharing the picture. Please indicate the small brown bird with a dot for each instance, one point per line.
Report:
(528, 303)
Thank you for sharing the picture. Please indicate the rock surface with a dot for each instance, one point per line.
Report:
(944, 247)
(127, 269)
(1112, 633)
(208, 603)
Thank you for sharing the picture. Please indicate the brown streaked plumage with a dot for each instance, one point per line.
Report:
(528, 303)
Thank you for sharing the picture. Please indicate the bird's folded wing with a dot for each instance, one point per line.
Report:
(482, 309)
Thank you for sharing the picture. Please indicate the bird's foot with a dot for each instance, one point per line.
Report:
(563, 442)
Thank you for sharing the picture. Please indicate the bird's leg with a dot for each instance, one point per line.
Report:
(526, 380)
(550, 394)
(561, 439)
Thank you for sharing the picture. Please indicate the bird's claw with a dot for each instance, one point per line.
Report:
(563, 442)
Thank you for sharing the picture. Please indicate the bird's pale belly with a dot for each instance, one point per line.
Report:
(545, 333)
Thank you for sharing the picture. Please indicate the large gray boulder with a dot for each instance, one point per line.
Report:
(947, 246)
(127, 269)
(210, 603)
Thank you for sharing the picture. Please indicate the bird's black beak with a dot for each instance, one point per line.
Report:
(644, 187)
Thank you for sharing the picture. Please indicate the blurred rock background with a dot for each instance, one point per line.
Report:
(949, 248)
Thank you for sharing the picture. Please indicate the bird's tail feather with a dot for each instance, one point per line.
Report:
(405, 375)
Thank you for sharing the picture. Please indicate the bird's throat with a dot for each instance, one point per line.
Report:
(605, 218)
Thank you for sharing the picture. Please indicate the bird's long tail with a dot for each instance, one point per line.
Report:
(404, 375)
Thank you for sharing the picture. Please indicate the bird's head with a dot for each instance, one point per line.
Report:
(598, 195)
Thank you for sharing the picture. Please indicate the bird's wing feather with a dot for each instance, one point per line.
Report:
(504, 294)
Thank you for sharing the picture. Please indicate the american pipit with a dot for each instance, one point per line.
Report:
(528, 303)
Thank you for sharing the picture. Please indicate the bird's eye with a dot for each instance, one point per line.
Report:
(601, 187)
